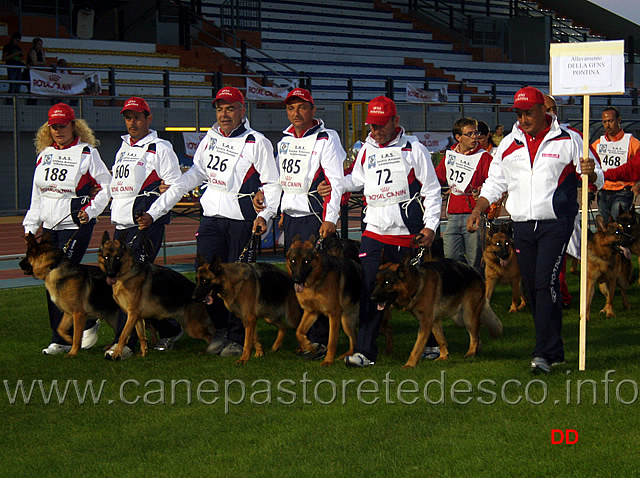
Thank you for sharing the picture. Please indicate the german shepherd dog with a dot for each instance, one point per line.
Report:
(251, 291)
(630, 222)
(80, 291)
(608, 263)
(434, 290)
(325, 284)
(501, 264)
(147, 291)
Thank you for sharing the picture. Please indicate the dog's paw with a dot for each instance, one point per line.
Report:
(326, 363)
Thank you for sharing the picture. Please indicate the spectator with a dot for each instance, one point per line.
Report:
(539, 163)
(36, 55)
(464, 168)
(484, 138)
(61, 67)
(411, 207)
(12, 55)
(67, 161)
(234, 160)
(143, 164)
(498, 134)
(615, 148)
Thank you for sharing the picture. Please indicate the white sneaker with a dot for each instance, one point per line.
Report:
(357, 360)
(55, 349)
(431, 353)
(167, 344)
(90, 336)
(126, 353)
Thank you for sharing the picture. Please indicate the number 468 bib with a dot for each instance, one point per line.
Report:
(385, 176)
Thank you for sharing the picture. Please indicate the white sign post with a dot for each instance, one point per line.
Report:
(583, 69)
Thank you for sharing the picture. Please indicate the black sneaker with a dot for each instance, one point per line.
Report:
(320, 352)
(540, 365)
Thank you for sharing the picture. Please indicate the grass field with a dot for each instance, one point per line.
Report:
(182, 413)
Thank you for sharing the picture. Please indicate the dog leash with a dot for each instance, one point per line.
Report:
(417, 259)
(248, 254)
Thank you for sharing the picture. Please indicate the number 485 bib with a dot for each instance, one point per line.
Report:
(294, 155)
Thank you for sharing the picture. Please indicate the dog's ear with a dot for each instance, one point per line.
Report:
(105, 237)
(621, 209)
(600, 223)
(406, 260)
(312, 239)
(30, 239)
(383, 259)
(296, 238)
(509, 229)
(46, 237)
(200, 260)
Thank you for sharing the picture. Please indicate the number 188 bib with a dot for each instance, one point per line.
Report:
(56, 175)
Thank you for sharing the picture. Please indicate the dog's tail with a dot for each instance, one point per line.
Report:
(490, 320)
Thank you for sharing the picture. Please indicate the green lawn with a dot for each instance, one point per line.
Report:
(182, 413)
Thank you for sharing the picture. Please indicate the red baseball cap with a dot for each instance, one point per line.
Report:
(61, 113)
(527, 97)
(136, 104)
(299, 93)
(381, 110)
(230, 94)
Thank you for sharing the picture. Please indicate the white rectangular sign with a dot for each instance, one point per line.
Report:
(55, 83)
(418, 95)
(589, 68)
(265, 93)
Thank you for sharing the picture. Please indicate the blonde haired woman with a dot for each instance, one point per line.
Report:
(68, 172)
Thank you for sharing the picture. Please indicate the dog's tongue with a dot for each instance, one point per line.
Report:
(626, 252)
(381, 305)
(298, 287)
(503, 263)
(111, 280)
(208, 299)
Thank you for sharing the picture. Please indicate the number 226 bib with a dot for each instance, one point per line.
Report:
(222, 156)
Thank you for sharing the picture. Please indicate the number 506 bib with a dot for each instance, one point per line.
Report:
(222, 156)
(385, 176)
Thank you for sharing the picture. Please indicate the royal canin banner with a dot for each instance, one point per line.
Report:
(265, 93)
(55, 83)
(416, 95)
(434, 141)
(191, 142)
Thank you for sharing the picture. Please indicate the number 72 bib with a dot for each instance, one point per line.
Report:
(385, 176)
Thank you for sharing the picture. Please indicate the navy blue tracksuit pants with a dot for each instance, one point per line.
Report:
(541, 246)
